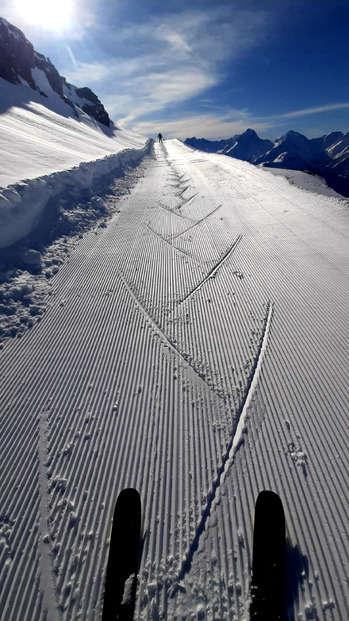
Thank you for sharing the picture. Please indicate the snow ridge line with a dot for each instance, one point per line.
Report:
(46, 569)
(198, 221)
(172, 345)
(236, 441)
(214, 269)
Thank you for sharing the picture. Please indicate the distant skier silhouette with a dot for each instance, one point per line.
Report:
(160, 137)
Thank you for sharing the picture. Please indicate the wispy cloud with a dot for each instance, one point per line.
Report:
(169, 60)
(156, 91)
(317, 110)
(214, 127)
(87, 73)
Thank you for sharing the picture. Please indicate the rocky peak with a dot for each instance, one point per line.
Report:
(18, 60)
(93, 106)
(16, 54)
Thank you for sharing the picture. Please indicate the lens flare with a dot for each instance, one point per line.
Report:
(50, 14)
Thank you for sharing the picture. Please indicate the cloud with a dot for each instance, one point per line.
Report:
(156, 91)
(212, 127)
(169, 60)
(328, 108)
(87, 73)
(216, 126)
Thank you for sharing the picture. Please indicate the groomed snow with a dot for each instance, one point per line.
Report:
(194, 347)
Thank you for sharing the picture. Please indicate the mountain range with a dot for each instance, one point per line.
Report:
(21, 64)
(327, 156)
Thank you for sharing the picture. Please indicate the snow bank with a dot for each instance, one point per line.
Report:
(41, 135)
(22, 203)
(51, 148)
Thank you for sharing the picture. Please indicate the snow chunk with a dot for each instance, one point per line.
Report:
(32, 258)
(129, 589)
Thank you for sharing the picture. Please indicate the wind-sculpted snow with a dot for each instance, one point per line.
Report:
(194, 348)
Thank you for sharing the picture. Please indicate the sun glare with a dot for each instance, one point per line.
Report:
(50, 14)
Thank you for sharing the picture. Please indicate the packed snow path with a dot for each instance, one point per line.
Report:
(194, 349)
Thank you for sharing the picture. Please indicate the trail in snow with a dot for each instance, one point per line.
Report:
(214, 269)
(150, 373)
(236, 441)
(162, 333)
(199, 221)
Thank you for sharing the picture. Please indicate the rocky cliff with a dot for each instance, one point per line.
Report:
(21, 64)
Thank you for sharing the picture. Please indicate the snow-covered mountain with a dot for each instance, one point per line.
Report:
(247, 146)
(56, 139)
(21, 64)
(327, 156)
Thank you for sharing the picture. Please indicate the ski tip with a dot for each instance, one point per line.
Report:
(127, 507)
(128, 497)
(269, 513)
(129, 494)
(268, 498)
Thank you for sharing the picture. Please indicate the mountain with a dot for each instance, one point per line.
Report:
(327, 156)
(247, 146)
(57, 141)
(21, 64)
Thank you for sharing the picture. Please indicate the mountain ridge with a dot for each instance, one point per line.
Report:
(21, 64)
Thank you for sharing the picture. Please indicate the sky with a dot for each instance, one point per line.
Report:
(204, 68)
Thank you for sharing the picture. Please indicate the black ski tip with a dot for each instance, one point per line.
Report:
(120, 584)
(128, 501)
(269, 559)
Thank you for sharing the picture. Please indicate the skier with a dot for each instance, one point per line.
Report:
(160, 137)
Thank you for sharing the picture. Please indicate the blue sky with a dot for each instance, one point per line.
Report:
(205, 68)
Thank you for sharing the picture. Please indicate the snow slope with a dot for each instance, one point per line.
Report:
(39, 144)
(195, 349)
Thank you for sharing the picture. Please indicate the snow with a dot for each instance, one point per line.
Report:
(47, 152)
(306, 181)
(38, 140)
(13, 31)
(182, 319)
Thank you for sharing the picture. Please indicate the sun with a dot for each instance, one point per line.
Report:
(50, 14)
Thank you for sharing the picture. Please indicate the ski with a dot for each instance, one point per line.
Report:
(121, 576)
(269, 559)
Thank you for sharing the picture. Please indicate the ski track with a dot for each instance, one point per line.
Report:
(199, 221)
(214, 269)
(236, 441)
(198, 396)
(167, 241)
